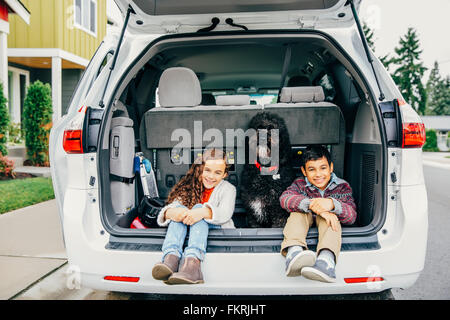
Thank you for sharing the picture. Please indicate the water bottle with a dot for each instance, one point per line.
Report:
(148, 178)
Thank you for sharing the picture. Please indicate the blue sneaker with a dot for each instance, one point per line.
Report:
(298, 260)
(320, 272)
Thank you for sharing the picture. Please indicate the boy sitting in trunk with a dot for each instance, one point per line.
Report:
(320, 194)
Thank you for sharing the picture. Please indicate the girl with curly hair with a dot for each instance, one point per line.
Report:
(200, 201)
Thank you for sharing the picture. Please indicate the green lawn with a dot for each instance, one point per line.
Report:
(19, 193)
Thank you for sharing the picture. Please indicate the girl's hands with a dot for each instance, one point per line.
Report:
(176, 214)
(195, 215)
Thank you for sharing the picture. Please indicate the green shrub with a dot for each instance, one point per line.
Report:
(6, 167)
(37, 122)
(4, 122)
(431, 142)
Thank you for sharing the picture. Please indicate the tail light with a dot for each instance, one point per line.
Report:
(413, 131)
(73, 135)
(73, 141)
(414, 135)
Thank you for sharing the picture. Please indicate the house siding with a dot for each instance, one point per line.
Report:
(52, 26)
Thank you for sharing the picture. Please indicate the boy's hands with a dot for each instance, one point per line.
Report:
(331, 219)
(322, 207)
(319, 205)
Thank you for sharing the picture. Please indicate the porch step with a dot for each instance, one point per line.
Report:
(18, 161)
(17, 151)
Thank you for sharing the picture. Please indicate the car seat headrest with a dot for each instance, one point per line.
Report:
(179, 87)
(302, 94)
(233, 100)
(121, 121)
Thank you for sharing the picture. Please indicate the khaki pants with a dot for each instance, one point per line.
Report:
(297, 227)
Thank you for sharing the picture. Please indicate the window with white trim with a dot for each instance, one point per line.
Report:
(86, 16)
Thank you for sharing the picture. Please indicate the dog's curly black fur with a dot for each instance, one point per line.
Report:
(260, 193)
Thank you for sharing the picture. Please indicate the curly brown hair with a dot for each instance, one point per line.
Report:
(190, 187)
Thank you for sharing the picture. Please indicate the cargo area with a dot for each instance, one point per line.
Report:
(305, 79)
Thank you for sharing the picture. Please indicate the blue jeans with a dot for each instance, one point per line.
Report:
(198, 236)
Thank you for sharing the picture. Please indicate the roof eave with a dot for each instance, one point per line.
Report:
(18, 8)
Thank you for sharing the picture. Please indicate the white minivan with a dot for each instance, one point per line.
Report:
(234, 49)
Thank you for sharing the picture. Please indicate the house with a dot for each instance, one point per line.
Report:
(9, 8)
(441, 124)
(55, 48)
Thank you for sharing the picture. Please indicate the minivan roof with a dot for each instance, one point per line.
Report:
(254, 14)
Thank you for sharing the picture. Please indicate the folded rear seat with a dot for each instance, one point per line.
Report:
(180, 114)
(311, 120)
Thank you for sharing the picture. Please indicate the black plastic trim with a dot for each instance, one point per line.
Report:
(238, 243)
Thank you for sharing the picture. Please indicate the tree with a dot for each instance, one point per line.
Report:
(438, 91)
(37, 121)
(370, 37)
(4, 122)
(409, 71)
(430, 141)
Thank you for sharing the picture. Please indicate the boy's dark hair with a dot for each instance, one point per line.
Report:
(315, 152)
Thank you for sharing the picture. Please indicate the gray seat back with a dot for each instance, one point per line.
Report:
(172, 134)
(310, 120)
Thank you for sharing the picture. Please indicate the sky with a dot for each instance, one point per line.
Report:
(390, 20)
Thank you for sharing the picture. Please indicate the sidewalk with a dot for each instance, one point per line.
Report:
(436, 159)
(31, 247)
(36, 171)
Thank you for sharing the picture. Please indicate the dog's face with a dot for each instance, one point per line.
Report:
(263, 142)
(269, 144)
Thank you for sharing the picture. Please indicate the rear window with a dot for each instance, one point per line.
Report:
(327, 83)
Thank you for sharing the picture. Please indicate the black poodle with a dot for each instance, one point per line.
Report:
(267, 172)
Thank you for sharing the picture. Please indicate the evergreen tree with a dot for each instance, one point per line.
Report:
(37, 121)
(4, 122)
(438, 91)
(409, 71)
(370, 37)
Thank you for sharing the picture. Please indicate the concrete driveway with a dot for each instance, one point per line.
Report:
(31, 247)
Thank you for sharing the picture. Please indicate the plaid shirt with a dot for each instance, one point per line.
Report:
(298, 195)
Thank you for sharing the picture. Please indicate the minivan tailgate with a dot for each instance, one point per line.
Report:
(182, 16)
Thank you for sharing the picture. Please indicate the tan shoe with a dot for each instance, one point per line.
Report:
(190, 273)
(163, 270)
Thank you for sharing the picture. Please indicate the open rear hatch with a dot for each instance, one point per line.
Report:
(172, 16)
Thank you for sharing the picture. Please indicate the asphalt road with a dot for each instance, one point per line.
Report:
(433, 283)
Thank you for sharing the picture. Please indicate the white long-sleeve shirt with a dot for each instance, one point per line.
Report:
(221, 202)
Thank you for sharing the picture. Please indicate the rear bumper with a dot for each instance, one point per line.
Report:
(399, 260)
(287, 286)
